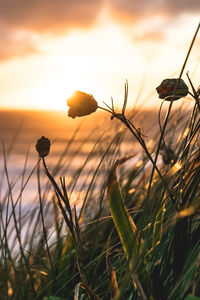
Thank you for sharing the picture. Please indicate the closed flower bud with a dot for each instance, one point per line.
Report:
(172, 89)
(81, 104)
(43, 146)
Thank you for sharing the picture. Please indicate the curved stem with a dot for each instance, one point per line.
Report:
(137, 135)
(191, 94)
(105, 109)
(61, 196)
(142, 143)
(169, 110)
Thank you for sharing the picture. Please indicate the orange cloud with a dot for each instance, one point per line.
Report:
(48, 15)
(127, 10)
(40, 16)
(151, 35)
(57, 16)
(14, 45)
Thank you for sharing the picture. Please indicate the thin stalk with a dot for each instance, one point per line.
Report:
(42, 218)
(103, 108)
(141, 141)
(22, 184)
(60, 197)
(8, 219)
(96, 171)
(169, 111)
(16, 227)
(195, 131)
(194, 95)
(137, 135)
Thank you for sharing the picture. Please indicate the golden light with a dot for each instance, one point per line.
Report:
(96, 61)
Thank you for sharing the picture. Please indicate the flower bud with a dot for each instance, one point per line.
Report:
(43, 146)
(172, 89)
(81, 104)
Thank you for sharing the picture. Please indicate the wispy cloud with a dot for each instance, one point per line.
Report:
(48, 15)
(136, 10)
(15, 44)
(20, 19)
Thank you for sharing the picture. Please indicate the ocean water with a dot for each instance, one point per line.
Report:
(82, 150)
(19, 132)
(72, 140)
(77, 148)
(71, 143)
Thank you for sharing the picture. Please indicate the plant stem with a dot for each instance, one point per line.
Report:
(169, 111)
(142, 143)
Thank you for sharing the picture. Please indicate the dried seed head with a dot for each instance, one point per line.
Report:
(172, 89)
(81, 104)
(43, 146)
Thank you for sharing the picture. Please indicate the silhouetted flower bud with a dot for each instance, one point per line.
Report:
(172, 89)
(81, 104)
(43, 146)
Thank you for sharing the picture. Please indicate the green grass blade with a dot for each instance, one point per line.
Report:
(128, 234)
(125, 97)
(124, 225)
(191, 297)
(158, 226)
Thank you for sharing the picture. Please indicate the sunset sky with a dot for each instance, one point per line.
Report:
(50, 48)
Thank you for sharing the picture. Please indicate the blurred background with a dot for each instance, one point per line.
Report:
(51, 48)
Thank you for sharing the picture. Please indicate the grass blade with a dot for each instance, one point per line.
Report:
(127, 231)
(158, 226)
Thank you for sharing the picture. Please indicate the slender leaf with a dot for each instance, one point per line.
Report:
(191, 297)
(157, 230)
(128, 234)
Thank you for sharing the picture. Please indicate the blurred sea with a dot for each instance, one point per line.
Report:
(20, 130)
(83, 150)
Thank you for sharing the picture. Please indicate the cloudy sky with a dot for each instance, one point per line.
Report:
(49, 48)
